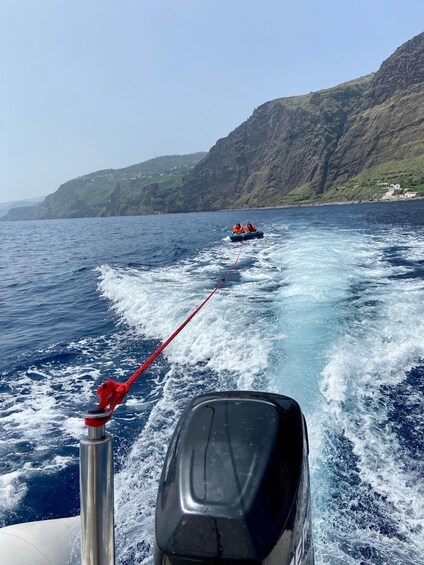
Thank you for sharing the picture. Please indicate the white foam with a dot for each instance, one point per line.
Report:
(42, 414)
(12, 491)
(228, 334)
(380, 345)
(355, 373)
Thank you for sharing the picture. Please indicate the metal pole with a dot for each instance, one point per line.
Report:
(96, 489)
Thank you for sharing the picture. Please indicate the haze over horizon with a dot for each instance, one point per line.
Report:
(96, 85)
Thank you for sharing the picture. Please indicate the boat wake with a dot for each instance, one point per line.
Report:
(324, 317)
(331, 317)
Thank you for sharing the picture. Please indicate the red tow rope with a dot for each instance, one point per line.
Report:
(112, 393)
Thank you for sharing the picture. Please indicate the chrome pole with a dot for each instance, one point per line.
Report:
(96, 490)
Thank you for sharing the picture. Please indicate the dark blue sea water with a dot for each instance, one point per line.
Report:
(327, 308)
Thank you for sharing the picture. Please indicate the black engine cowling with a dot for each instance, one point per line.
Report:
(235, 483)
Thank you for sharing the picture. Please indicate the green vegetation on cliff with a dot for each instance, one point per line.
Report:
(371, 184)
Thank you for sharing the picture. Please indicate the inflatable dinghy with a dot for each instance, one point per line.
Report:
(246, 235)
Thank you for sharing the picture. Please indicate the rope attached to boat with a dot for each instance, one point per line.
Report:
(112, 393)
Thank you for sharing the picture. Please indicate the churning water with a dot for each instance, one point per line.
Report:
(328, 308)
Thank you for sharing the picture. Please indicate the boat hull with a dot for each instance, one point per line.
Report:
(48, 542)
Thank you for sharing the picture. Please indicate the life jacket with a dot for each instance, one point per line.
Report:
(250, 227)
(238, 230)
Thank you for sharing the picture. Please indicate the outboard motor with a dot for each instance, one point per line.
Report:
(235, 484)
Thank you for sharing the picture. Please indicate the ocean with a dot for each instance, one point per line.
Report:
(327, 308)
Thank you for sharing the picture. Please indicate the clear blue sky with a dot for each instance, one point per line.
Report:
(94, 84)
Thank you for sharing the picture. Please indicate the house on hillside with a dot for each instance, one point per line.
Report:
(395, 192)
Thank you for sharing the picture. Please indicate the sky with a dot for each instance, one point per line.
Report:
(94, 84)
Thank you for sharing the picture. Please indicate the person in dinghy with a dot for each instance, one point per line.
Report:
(238, 228)
(249, 231)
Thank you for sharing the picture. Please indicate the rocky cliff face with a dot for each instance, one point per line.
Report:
(285, 144)
(389, 124)
(296, 149)
(401, 71)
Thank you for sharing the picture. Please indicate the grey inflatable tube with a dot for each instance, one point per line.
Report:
(49, 542)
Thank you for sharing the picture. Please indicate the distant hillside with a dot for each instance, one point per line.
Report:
(144, 188)
(6, 206)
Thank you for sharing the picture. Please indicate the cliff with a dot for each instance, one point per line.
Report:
(312, 148)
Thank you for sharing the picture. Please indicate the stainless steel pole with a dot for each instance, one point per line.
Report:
(96, 490)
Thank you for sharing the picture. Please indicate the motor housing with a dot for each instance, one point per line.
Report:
(235, 483)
